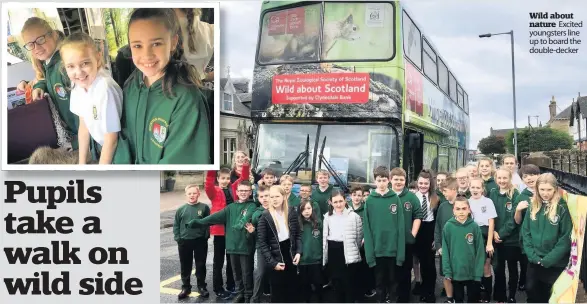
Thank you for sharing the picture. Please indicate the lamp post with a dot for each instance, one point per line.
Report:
(511, 33)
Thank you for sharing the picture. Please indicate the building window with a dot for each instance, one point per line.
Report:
(227, 102)
(228, 149)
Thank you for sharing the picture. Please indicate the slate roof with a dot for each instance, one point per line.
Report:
(566, 113)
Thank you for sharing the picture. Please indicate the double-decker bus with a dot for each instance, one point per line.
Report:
(349, 86)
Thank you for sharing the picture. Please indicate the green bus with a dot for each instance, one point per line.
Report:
(349, 86)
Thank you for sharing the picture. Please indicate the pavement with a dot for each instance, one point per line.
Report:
(169, 262)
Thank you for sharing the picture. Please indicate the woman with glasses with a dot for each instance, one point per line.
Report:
(43, 44)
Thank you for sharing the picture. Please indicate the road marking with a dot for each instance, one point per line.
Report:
(175, 291)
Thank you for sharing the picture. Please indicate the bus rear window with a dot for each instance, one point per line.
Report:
(351, 31)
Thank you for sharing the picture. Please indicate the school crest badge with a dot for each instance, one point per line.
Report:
(508, 206)
(158, 128)
(95, 112)
(407, 206)
(483, 209)
(60, 91)
(244, 213)
(469, 237)
(199, 212)
(315, 233)
(555, 220)
(393, 208)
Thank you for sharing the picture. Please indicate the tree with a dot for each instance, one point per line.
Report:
(539, 139)
(491, 145)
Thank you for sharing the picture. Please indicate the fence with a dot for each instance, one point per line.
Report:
(569, 161)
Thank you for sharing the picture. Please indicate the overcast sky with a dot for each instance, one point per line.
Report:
(483, 66)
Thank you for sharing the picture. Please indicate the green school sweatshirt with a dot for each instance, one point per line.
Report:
(412, 211)
(256, 215)
(293, 201)
(233, 217)
(467, 193)
(548, 241)
(505, 225)
(161, 130)
(311, 243)
(360, 210)
(185, 214)
(444, 213)
(384, 228)
(463, 253)
(490, 184)
(526, 195)
(322, 198)
(441, 197)
(55, 84)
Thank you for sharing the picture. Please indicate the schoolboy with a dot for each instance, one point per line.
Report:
(321, 194)
(410, 206)
(267, 179)
(261, 283)
(239, 245)
(366, 192)
(306, 193)
(529, 174)
(367, 276)
(445, 213)
(384, 233)
(286, 181)
(462, 177)
(222, 196)
(192, 243)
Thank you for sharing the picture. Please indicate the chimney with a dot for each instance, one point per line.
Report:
(552, 108)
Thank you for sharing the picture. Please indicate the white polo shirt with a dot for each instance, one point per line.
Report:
(100, 106)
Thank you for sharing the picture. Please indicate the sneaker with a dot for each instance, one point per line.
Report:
(223, 294)
(203, 292)
(232, 290)
(449, 300)
(327, 285)
(239, 299)
(371, 293)
(511, 300)
(417, 287)
(185, 292)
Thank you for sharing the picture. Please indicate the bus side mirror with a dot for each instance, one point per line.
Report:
(414, 141)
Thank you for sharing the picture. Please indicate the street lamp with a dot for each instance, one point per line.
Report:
(511, 33)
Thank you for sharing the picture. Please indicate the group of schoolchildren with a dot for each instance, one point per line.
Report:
(366, 246)
(159, 117)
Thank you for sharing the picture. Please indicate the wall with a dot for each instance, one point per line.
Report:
(562, 125)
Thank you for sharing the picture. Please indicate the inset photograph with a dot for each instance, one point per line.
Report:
(115, 87)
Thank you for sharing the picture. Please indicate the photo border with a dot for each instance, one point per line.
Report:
(147, 167)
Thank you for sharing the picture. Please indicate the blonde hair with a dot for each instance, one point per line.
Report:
(79, 41)
(284, 206)
(191, 186)
(323, 172)
(552, 207)
(491, 164)
(511, 188)
(34, 22)
(286, 177)
(480, 180)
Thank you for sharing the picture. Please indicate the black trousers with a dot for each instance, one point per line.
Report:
(283, 282)
(404, 276)
(423, 251)
(343, 275)
(459, 291)
(540, 281)
(366, 274)
(509, 255)
(311, 282)
(523, 268)
(195, 250)
(243, 274)
(385, 277)
(218, 264)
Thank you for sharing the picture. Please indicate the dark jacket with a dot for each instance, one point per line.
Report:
(268, 242)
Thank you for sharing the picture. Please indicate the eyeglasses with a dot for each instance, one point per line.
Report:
(39, 41)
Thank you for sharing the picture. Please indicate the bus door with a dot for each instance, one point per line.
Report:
(413, 159)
